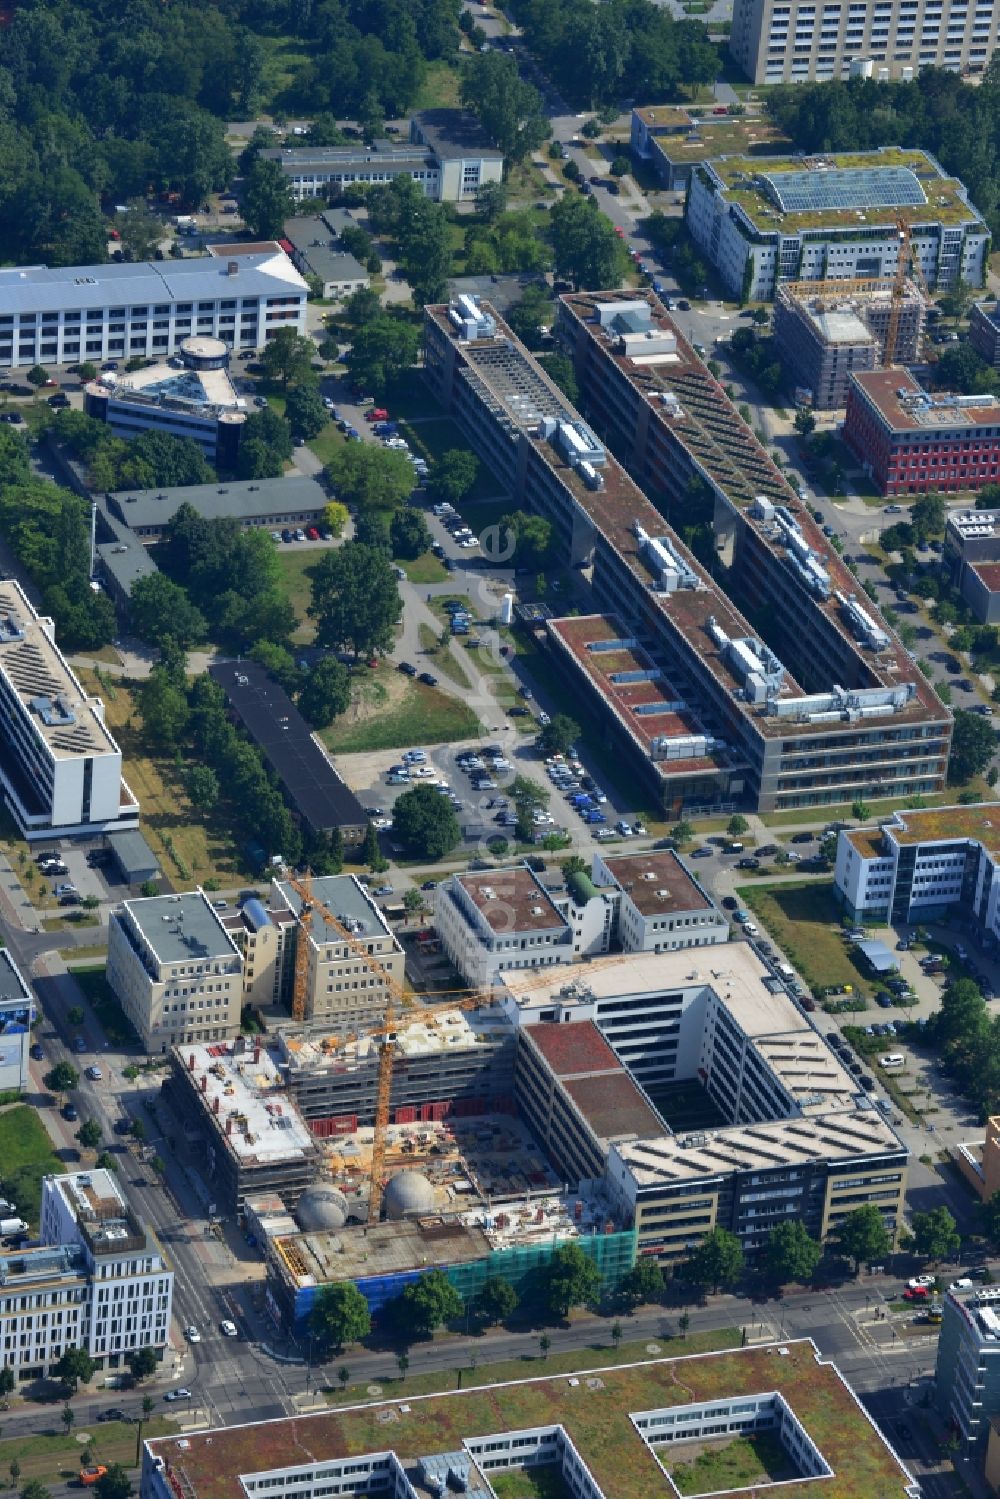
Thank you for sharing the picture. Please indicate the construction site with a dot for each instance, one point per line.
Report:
(825, 332)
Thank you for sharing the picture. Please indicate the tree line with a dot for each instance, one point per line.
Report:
(151, 460)
(937, 112)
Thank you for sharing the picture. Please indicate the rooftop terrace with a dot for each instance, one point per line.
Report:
(980, 824)
(67, 720)
(596, 1412)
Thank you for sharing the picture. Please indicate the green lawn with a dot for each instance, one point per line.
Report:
(419, 715)
(439, 89)
(27, 1156)
(542, 1482)
(760, 1459)
(108, 1011)
(329, 442)
(441, 659)
(54, 1457)
(436, 435)
(295, 568)
(805, 921)
(409, 397)
(425, 569)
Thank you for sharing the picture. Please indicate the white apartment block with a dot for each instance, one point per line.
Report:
(661, 906)
(923, 865)
(763, 221)
(791, 41)
(60, 769)
(64, 314)
(98, 1280)
(175, 970)
(490, 924)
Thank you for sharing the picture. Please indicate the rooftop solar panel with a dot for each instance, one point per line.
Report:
(846, 187)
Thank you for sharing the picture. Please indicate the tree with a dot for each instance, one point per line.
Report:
(621, 166)
(805, 422)
(149, 888)
(62, 1079)
(860, 810)
(288, 357)
(159, 609)
(453, 475)
(137, 1130)
(936, 1235)
(265, 446)
(7, 1380)
(544, 1344)
(89, 1134)
(381, 350)
(408, 533)
(164, 709)
(76, 1014)
(370, 477)
(414, 900)
(37, 375)
(558, 734)
(571, 1279)
(530, 538)
(491, 201)
(355, 601)
(344, 1375)
(560, 369)
(682, 832)
(790, 1254)
(737, 826)
(14, 1469)
(305, 412)
(927, 515)
(425, 823)
(511, 112)
(339, 1316)
(989, 1217)
(497, 1299)
(143, 1363)
(587, 251)
(139, 230)
(326, 692)
(973, 745)
(115, 1484)
(427, 1304)
(202, 785)
(371, 854)
(644, 1282)
(718, 1260)
(863, 1236)
(68, 1417)
(402, 1362)
(335, 516)
(35, 1489)
(267, 199)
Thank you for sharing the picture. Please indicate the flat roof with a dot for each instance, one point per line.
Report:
(241, 1089)
(39, 288)
(868, 842)
(988, 574)
(239, 499)
(664, 116)
(686, 399)
(904, 406)
(12, 985)
(316, 1259)
(858, 1134)
(614, 1106)
(322, 800)
(425, 1035)
(199, 392)
(66, 720)
(349, 901)
(837, 190)
(978, 824)
(455, 133)
(722, 136)
(657, 883)
(126, 562)
(90, 1193)
(637, 690)
(596, 1408)
(574, 1050)
(132, 854)
(382, 153)
(179, 928)
(973, 524)
(512, 900)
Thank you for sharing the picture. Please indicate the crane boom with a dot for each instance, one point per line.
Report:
(898, 288)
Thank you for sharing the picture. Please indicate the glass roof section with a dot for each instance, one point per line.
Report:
(845, 187)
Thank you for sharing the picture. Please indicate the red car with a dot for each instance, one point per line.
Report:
(377, 414)
(619, 231)
(916, 1293)
(312, 533)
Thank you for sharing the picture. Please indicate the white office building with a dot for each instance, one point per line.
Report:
(60, 768)
(98, 1280)
(15, 1026)
(63, 314)
(763, 221)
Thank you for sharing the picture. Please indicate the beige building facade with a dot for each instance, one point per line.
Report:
(791, 41)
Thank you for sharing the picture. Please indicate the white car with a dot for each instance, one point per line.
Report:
(544, 720)
(921, 1282)
(380, 823)
(228, 1329)
(95, 1074)
(424, 773)
(181, 1394)
(415, 756)
(192, 1334)
(964, 1283)
(470, 541)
